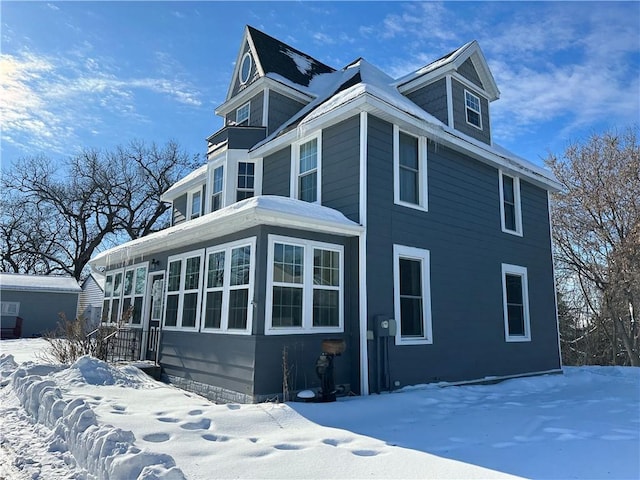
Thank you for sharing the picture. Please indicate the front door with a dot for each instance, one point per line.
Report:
(156, 304)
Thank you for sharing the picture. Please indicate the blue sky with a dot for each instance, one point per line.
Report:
(99, 74)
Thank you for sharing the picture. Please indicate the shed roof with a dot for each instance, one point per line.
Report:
(38, 283)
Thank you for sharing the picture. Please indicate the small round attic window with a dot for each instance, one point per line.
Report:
(245, 68)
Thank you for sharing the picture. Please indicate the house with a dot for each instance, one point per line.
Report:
(91, 297)
(38, 300)
(346, 205)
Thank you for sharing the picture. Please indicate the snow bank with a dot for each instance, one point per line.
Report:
(104, 451)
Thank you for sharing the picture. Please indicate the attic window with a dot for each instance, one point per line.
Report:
(245, 68)
(472, 103)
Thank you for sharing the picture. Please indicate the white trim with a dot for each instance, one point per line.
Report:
(246, 55)
(265, 109)
(423, 196)
(190, 196)
(467, 107)
(362, 257)
(517, 201)
(421, 255)
(295, 166)
(227, 248)
(211, 189)
(146, 318)
(248, 107)
(181, 292)
(521, 272)
(106, 315)
(553, 269)
(11, 309)
(245, 189)
(449, 101)
(307, 286)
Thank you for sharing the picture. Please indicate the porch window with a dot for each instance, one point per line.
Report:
(133, 294)
(305, 292)
(515, 297)
(183, 290)
(218, 187)
(228, 296)
(412, 297)
(125, 289)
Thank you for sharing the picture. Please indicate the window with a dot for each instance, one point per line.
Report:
(183, 290)
(515, 295)
(195, 203)
(218, 187)
(11, 309)
(228, 296)
(510, 210)
(246, 177)
(306, 159)
(305, 292)
(125, 290)
(242, 114)
(412, 297)
(245, 68)
(410, 169)
(472, 104)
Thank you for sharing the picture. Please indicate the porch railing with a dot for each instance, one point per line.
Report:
(117, 344)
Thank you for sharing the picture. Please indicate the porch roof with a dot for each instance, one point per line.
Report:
(261, 210)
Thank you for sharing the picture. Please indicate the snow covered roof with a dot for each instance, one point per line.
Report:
(185, 184)
(38, 283)
(261, 210)
(98, 278)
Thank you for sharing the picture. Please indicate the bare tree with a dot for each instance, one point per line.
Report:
(55, 215)
(596, 219)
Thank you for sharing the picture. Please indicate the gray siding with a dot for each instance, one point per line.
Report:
(459, 113)
(468, 71)
(432, 99)
(39, 310)
(255, 111)
(467, 247)
(237, 87)
(179, 210)
(281, 109)
(341, 167)
(276, 173)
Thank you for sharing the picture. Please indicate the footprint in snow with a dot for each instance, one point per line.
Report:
(156, 437)
(202, 424)
(233, 406)
(119, 409)
(168, 419)
(287, 446)
(365, 453)
(215, 438)
(195, 412)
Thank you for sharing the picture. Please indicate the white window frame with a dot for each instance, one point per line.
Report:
(190, 196)
(181, 292)
(295, 166)
(241, 110)
(423, 256)
(307, 286)
(517, 200)
(476, 99)
(240, 79)
(423, 193)
(213, 187)
(133, 295)
(226, 288)
(11, 309)
(107, 313)
(516, 270)
(245, 189)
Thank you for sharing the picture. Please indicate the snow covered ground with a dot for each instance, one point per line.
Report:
(91, 420)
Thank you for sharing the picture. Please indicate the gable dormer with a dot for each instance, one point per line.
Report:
(457, 89)
(270, 82)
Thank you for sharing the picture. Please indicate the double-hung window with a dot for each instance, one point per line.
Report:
(410, 169)
(195, 203)
(217, 188)
(228, 296)
(306, 158)
(510, 209)
(246, 178)
(305, 292)
(242, 114)
(472, 109)
(515, 297)
(412, 296)
(183, 290)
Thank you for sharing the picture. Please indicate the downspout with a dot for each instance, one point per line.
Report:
(362, 258)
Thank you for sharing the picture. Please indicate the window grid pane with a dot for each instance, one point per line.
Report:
(240, 265)
(174, 275)
(141, 280)
(192, 275)
(213, 312)
(117, 285)
(196, 205)
(326, 308)
(288, 263)
(408, 168)
(215, 271)
(287, 307)
(411, 311)
(326, 267)
(128, 282)
(515, 304)
(238, 305)
(189, 308)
